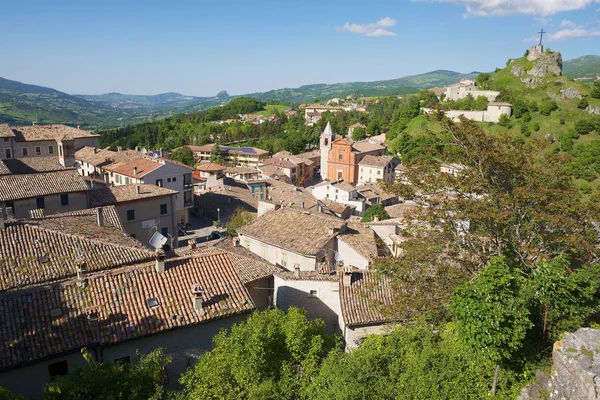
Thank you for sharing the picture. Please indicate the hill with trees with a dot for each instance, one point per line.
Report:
(585, 68)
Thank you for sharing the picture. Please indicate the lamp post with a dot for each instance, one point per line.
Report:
(218, 217)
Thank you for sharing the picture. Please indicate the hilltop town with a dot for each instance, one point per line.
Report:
(366, 213)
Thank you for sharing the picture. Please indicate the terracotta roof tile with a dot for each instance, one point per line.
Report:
(14, 187)
(249, 268)
(294, 230)
(366, 145)
(210, 166)
(49, 132)
(142, 167)
(376, 161)
(362, 299)
(117, 302)
(4, 169)
(123, 193)
(47, 249)
(31, 165)
(361, 239)
(5, 131)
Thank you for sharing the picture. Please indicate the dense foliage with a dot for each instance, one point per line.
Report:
(140, 380)
(239, 218)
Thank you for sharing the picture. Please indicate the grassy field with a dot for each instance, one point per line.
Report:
(270, 109)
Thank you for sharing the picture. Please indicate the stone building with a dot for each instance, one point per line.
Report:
(465, 87)
(377, 168)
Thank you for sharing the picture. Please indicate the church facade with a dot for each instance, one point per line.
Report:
(340, 157)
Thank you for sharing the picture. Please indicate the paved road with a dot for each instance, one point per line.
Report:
(201, 229)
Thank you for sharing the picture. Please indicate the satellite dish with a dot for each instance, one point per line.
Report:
(144, 151)
(157, 240)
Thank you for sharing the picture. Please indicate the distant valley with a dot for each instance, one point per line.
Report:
(21, 103)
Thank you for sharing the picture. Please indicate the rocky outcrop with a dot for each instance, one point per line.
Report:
(576, 368)
(571, 93)
(537, 390)
(517, 70)
(532, 82)
(593, 109)
(535, 52)
(548, 63)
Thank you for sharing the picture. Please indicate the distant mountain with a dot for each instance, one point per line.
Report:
(156, 103)
(585, 68)
(323, 91)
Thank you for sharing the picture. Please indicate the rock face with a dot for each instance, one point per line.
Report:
(593, 110)
(517, 70)
(548, 63)
(576, 368)
(571, 93)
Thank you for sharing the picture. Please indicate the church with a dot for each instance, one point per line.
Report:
(340, 156)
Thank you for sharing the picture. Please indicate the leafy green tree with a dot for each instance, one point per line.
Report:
(548, 105)
(216, 154)
(5, 394)
(239, 218)
(504, 120)
(584, 126)
(492, 313)
(414, 361)
(595, 92)
(373, 127)
(142, 379)
(374, 210)
(270, 355)
(565, 297)
(184, 155)
(358, 134)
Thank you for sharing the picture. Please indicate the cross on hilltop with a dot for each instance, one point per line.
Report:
(541, 35)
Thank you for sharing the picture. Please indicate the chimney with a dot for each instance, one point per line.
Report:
(347, 276)
(138, 190)
(119, 149)
(135, 170)
(161, 152)
(320, 208)
(236, 242)
(95, 150)
(302, 204)
(198, 291)
(192, 244)
(137, 148)
(375, 218)
(332, 231)
(100, 216)
(160, 262)
(33, 123)
(297, 270)
(78, 127)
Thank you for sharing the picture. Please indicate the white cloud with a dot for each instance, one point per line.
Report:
(573, 33)
(376, 29)
(499, 8)
(565, 23)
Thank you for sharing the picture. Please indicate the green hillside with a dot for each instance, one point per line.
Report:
(585, 68)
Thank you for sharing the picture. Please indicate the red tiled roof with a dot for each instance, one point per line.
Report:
(14, 187)
(210, 166)
(117, 304)
(31, 165)
(361, 301)
(123, 193)
(5, 131)
(49, 132)
(143, 167)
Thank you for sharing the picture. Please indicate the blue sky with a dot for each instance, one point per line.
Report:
(200, 47)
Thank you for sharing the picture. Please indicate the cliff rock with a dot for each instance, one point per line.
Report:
(571, 93)
(576, 366)
(548, 63)
(517, 70)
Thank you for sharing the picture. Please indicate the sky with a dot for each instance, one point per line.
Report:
(200, 48)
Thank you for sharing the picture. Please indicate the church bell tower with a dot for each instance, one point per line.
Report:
(325, 145)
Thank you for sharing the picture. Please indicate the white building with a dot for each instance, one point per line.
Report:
(377, 168)
(468, 86)
(126, 167)
(340, 192)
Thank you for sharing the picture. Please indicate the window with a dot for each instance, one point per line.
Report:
(174, 179)
(284, 260)
(64, 199)
(164, 231)
(341, 156)
(10, 207)
(378, 172)
(40, 202)
(127, 181)
(168, 180)
(159, 182)
(60, 368)
(24, 151)
(38, 150)
(152, 302)
(163, 209)
(118, 178)
(6, 139)
(50, 149)
(130, 215)
(313, 293)
(7, 153)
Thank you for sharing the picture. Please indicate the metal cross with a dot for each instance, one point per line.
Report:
(541, 35)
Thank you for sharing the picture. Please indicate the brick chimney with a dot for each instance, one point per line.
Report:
(347, 276)
(160, 262)
(100, 216)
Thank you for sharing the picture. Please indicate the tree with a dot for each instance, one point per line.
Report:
(239, 218)
(492, 313)
(583, 104)
(273, 352)
(512, 200)
(5, 394)
(375, 210)
(358, 134)
(184, 155)
(595, 92)
(216, 154)
(142, 379)
(504, 120)
(548, 105)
